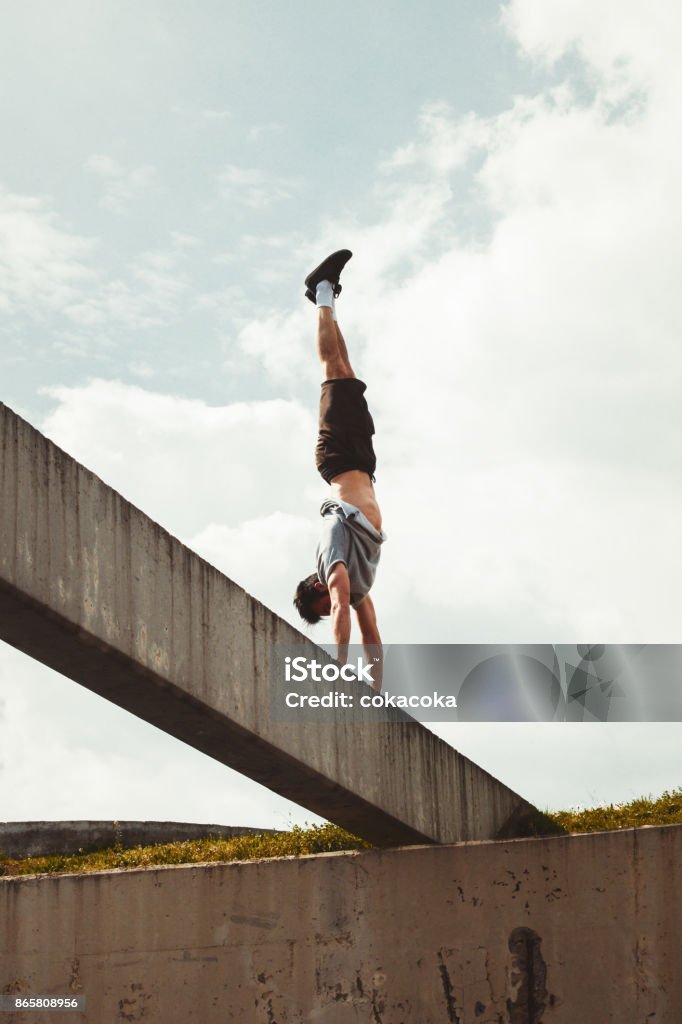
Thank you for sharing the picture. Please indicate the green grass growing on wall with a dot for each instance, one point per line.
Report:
(298, 841)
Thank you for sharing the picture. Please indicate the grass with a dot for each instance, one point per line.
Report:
(666, 810)
(295, 842)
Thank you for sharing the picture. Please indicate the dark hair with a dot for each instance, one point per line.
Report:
(305, 597)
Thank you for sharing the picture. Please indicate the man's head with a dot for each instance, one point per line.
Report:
(312, 599)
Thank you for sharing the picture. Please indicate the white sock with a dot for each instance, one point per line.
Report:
(324, 294)
(334, 306)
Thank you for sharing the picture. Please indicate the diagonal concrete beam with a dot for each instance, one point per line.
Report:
(92, 587)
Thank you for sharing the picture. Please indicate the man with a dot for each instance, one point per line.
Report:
(351, 536)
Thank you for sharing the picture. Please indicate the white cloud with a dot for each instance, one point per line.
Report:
(575, 759)
(526, 378)
(253, 187)
(260, 131)
(161, 277)
(150, 294)
(185, 463)
(141, 369)
(284, 344)
(120, 185)
(619, 40)
(216, 115)
(442, 144)
(266, 555)
(181, 240)
(43, 265)
(66, 754)
(51, 275)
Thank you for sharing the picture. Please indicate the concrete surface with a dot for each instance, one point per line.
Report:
(20, 839)
(568, 930)
(92, 587)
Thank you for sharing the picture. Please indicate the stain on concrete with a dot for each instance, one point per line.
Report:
(268, 921)
(340, 996)
(187, 958)
(18, 987)
(378, 1007)
(135, 1007)
(448, 990)
(528, 977)
(75, 984)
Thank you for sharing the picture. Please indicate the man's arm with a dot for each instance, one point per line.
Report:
(371, 641)
(338, 584)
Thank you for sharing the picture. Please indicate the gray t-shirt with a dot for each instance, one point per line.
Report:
(348, 536)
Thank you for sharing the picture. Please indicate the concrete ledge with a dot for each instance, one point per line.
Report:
(21, 839)
(95, 589)
(584, 928)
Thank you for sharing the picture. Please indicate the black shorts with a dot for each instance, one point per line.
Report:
(344, 441)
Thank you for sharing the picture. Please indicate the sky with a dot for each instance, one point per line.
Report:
(507, 177)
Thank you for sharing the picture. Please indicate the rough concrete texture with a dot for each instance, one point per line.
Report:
(19, 839)
(95, 589)
(568, 930)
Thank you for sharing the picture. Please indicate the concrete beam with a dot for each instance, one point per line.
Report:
(95, 589)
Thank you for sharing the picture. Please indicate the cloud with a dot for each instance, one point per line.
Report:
(120, 185)
(267, 555)
(216, 115)
(162, 279)
(512, 307)
(514, 310)
(43, 265)
(623, 45)
(51, 275)
(149, 295)
(68, 754)
(575, 759)
(181, 240)
(253, 187)
(260, 131)
(189, 465)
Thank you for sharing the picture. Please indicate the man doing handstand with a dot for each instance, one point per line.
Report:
(351, 536)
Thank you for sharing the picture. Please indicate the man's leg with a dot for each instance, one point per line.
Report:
(331, 347)
(343, 351)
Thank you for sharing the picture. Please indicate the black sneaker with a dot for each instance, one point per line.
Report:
(328, 270)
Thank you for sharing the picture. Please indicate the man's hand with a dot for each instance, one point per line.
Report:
(371, 640)
(338, 583)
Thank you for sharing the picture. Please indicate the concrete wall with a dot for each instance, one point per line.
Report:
(95, 589)
(568, 930)
(19, 839)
